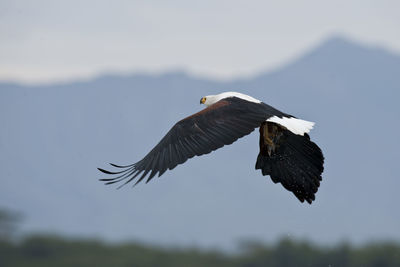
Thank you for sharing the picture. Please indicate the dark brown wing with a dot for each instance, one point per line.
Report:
(292, 160)
(215, 126)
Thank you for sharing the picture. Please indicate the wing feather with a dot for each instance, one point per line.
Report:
(201, 133)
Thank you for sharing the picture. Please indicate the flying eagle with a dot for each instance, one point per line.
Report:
(286, 153)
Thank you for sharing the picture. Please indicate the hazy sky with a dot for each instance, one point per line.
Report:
(47, 40)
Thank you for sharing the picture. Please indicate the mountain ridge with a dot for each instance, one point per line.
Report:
(335, 42)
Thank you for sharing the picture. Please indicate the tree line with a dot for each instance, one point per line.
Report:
(49, 250)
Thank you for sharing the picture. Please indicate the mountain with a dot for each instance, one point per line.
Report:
(54, 136)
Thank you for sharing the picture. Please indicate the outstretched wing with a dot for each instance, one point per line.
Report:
(290, 159)
(215, 126)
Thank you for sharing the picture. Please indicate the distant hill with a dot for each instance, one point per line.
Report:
(54, 136)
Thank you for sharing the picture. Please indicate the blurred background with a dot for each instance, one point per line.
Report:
(84, 83)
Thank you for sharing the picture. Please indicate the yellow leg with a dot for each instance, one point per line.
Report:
(267, 139)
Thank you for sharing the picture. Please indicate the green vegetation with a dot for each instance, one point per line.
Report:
(55, 251)
(48, 250)
(8, 224)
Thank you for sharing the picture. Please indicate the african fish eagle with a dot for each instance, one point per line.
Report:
(286, 154)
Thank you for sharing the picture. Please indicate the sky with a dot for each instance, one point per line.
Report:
(45, 41)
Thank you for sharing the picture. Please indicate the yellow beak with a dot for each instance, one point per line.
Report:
(202, 100)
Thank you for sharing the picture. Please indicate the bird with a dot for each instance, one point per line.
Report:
(286, 152)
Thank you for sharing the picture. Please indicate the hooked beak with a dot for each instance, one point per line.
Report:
(202, 100)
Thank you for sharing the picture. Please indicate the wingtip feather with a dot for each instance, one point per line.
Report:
(108, 172)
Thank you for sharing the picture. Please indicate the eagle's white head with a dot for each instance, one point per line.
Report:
(209, 100)
(212, 99)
